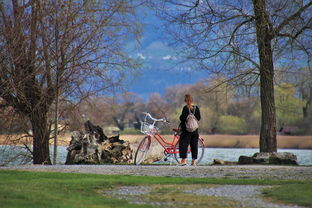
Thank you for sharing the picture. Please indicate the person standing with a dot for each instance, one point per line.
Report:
(188, 137)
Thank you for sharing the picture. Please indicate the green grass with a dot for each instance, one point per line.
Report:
(47, 189)
(300, 194)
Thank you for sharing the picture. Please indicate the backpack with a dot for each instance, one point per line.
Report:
(191, 121)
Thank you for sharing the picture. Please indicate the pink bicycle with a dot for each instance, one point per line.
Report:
(148, 127)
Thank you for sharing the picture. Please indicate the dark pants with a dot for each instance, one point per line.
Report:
(186, 139)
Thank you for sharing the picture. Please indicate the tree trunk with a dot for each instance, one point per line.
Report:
(308, 99)
(268, 118)
(41, 154)
(120, 123)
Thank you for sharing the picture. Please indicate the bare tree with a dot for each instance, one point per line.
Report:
(157, 105)
(124, 109)
(241, 40)
(52, 46)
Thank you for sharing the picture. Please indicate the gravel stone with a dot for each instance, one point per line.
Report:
(132, 190)
(246, 195)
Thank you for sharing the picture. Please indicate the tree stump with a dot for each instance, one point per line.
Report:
(94, 147)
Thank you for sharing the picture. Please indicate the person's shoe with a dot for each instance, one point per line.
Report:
(183, 162)
(193, 163)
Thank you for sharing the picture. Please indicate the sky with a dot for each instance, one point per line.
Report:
(159, 60)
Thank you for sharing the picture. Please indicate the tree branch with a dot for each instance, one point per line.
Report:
(294, 36)
(279, 28)
(237, 28)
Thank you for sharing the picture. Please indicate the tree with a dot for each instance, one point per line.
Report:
(125, 109)
(299, 81)
(246, 108)
(288, 107)
(232, 125)
(157, 106)
(303, 81)
(241, 40)
(217, 95)
(70, 47)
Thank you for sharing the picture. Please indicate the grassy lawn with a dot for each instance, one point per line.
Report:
(300, 194)
(45, 189)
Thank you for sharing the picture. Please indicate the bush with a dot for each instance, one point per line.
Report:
(232, 125)
(130, 131)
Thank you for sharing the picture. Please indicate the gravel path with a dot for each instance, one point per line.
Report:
(246, 195)
(243, 171)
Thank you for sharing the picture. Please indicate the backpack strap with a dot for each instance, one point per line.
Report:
(194, 110)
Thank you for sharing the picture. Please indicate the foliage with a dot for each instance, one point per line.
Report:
(130, 131)
(207, 117)
(288, 107)
(126, 109)
(232, 125)
(247, 108)
(213, 105)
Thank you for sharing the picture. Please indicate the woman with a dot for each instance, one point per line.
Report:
(188, 138)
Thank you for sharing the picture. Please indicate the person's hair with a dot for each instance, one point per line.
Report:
(188, 97)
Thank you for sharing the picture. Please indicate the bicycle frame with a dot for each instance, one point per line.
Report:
(170, 145)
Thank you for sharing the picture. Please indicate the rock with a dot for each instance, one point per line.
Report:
(94, 147)
(261, 157)
(245, 160)
(283, 158)
(155, 153)
(270, 158)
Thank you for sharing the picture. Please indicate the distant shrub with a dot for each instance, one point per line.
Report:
(130, 131)
(232, 125)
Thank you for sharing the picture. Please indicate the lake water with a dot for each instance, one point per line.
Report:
(17, 154)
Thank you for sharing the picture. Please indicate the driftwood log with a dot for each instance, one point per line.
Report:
(94, 147)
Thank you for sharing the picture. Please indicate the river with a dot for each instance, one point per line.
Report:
(13, 155)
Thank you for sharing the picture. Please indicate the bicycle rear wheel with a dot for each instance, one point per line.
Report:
(201, 151)
(142, 150)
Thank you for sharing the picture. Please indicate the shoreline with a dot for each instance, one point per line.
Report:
(211, 141)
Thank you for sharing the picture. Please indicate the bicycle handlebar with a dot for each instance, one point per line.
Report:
(155, 119)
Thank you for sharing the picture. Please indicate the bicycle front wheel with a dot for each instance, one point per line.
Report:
(200, 155)
(142, 150)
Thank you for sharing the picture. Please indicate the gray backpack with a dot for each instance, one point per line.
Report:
(191, 121)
